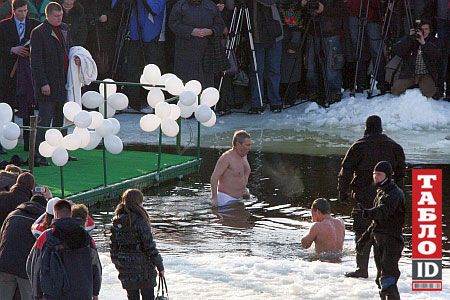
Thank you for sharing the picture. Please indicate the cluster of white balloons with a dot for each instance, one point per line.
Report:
(114, 101)
(167, 114)
(56, 145)
(9, 131)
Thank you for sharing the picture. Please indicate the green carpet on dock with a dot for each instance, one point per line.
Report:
(87, 173)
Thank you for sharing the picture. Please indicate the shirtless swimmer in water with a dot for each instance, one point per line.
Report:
(230, 177)
(327, 232)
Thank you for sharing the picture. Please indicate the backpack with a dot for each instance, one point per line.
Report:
(53, 277)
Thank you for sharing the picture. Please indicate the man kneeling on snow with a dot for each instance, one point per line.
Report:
(420, 55)
(327, 232)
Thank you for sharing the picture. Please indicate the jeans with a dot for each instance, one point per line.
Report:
(147, 294)
(268, 60)
(373, 38)
(9, 283)
(333, 61)
(443, 29)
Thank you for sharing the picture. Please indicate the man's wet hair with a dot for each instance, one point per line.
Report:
(239, 136)
(19, 3)
(51, 7)
(64, 208)
(322, 205)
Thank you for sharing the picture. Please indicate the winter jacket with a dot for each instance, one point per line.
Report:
(10, 200)
(79, 256)
(388, 213)
(47, 61)
(7, 180)
(331, 20)
(134, 252)
(407, 49)
(76, 20)
(374, 13)
(13, 250)
(357, 166)
(265, 19)
(35, 12)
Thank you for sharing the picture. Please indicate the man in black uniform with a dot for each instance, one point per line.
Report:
(385, 232)
(355, 179)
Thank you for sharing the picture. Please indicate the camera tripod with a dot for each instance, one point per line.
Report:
(123, 34)
(363, 13)
(234, 38)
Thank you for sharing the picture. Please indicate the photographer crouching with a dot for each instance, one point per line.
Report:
(421, 57)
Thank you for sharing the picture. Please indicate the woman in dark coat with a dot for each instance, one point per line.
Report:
(133, 250)
(194, 23)
(75, 18)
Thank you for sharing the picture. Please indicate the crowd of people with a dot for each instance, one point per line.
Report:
(55, 256)
(303, 49)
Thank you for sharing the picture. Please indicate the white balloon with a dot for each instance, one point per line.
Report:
(45, 149)
(110, 88)
(162, 110)
(186, 111)
(210, 96)
(92, 99)
(11, 131)
(106, 129)
(60, 156)
(113, 144)
(155, 96)
(211, 122)
(175, 112)
(83, 119)
(174, 86)
(94, 140)
(54, 137)
(188, 98)
(111, 111)
(6, 113)
(116, 125)
(142, 80)
(70, 110)
(7, 144)
(149, 122)
(193, 86)
(203, 113)
(170, 127)
(118, 101)
(152, 73)
(97, 119)
(84, 135)
(162, 80)
(71, 142)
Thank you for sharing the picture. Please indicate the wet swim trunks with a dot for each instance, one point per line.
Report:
(225, 199)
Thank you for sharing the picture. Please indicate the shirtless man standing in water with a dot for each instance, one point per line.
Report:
(230, 177)
(327, 232)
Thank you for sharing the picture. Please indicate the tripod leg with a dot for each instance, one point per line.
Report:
(362, 22)
(252, 48)
(386, 25)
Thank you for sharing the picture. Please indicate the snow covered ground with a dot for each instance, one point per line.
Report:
(228, 276)
(420, 125)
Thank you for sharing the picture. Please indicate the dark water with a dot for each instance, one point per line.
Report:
(269, 224)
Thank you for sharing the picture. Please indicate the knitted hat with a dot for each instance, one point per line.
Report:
(51, 204)
(373, 125)
(385, 167)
